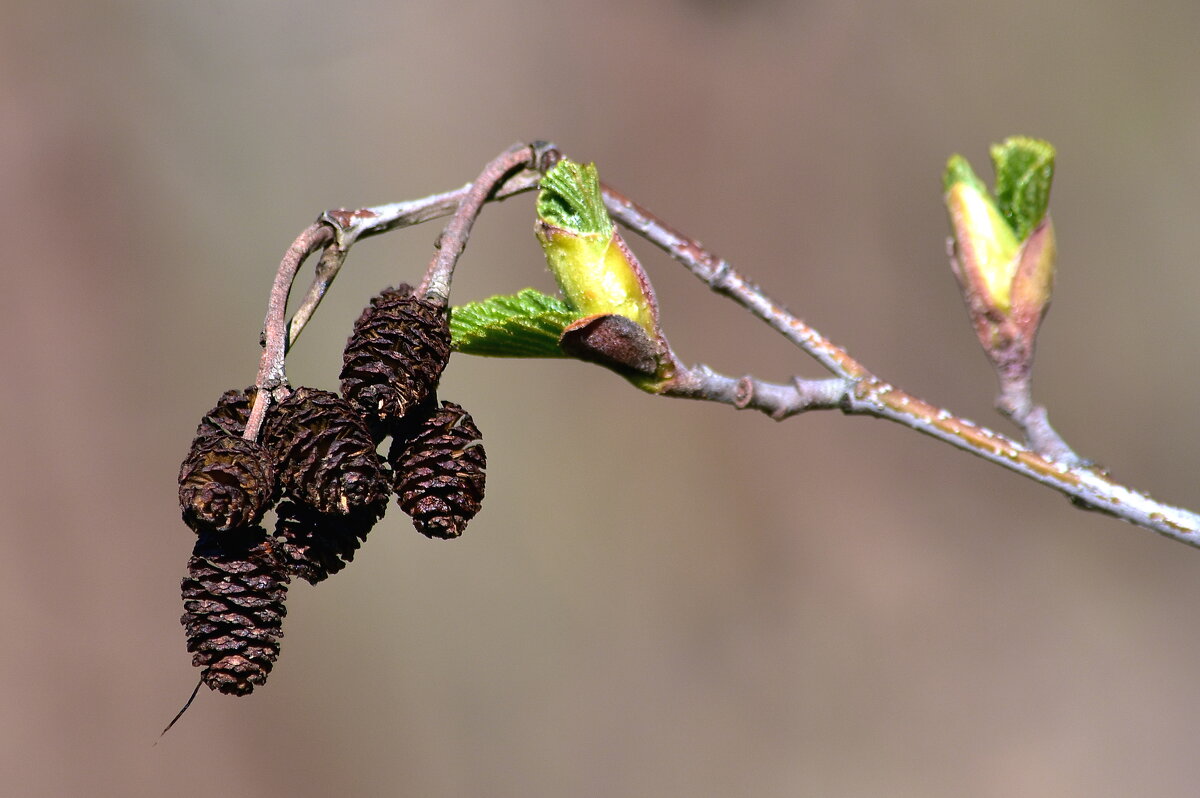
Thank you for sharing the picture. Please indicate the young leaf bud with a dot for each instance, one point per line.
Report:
(1004, 249)
(985, 244)
(595, 270)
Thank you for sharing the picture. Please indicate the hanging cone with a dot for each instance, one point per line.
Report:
(395, 355)
(439, 472)
(225, 482)
(233, 609)
(325, 455)
(230, 414)
(314, 545)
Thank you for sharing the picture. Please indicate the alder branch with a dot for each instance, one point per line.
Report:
(862, 393)
(1015, 401)
(854, 389)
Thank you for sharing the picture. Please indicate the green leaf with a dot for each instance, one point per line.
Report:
(1024, 171)
(958, 170)
(570, 199)
(525, 324)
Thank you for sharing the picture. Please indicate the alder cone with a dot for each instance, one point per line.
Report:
(313, 545)
(325, 455)
(230, 415)
(395, 355)
(439, 472)
(233, 609)
(225, 481)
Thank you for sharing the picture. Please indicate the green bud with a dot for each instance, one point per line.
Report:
(986, 246)
(570, 198)
(1024, 171)
(594, 269)
(1004, 247)
(990, 232)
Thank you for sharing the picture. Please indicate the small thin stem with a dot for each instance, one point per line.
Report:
(1015, 401)
(338, 230)
(350, 226)
(436, 284)
(1045, 440)
(271, 371)
(777, 400)
(327, 269)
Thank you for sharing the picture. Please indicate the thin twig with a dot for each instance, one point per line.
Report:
(1015, 401)
(862, 393)
(436, 285)
(271, 372)
(327, 269)
(722, 278)
(350, 226)
(345, 228)
(779, 401)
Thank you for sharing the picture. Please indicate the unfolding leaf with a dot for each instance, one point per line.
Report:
(1024, 171)
(596, 271)
(570, 199)
(526, 324)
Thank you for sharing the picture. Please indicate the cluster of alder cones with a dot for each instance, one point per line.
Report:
(316, 463)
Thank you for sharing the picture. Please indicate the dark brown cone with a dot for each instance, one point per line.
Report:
(439, 472)
(314, 545)
(395, 355)
(225, 482)
(325, 455)
(230, 414)
(233, 609)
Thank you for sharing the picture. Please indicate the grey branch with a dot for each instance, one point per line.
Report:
(862, 393)
(1045, 458)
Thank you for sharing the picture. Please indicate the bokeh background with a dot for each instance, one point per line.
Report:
(659, 597)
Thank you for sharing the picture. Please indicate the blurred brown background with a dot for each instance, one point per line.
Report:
(659, 598)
